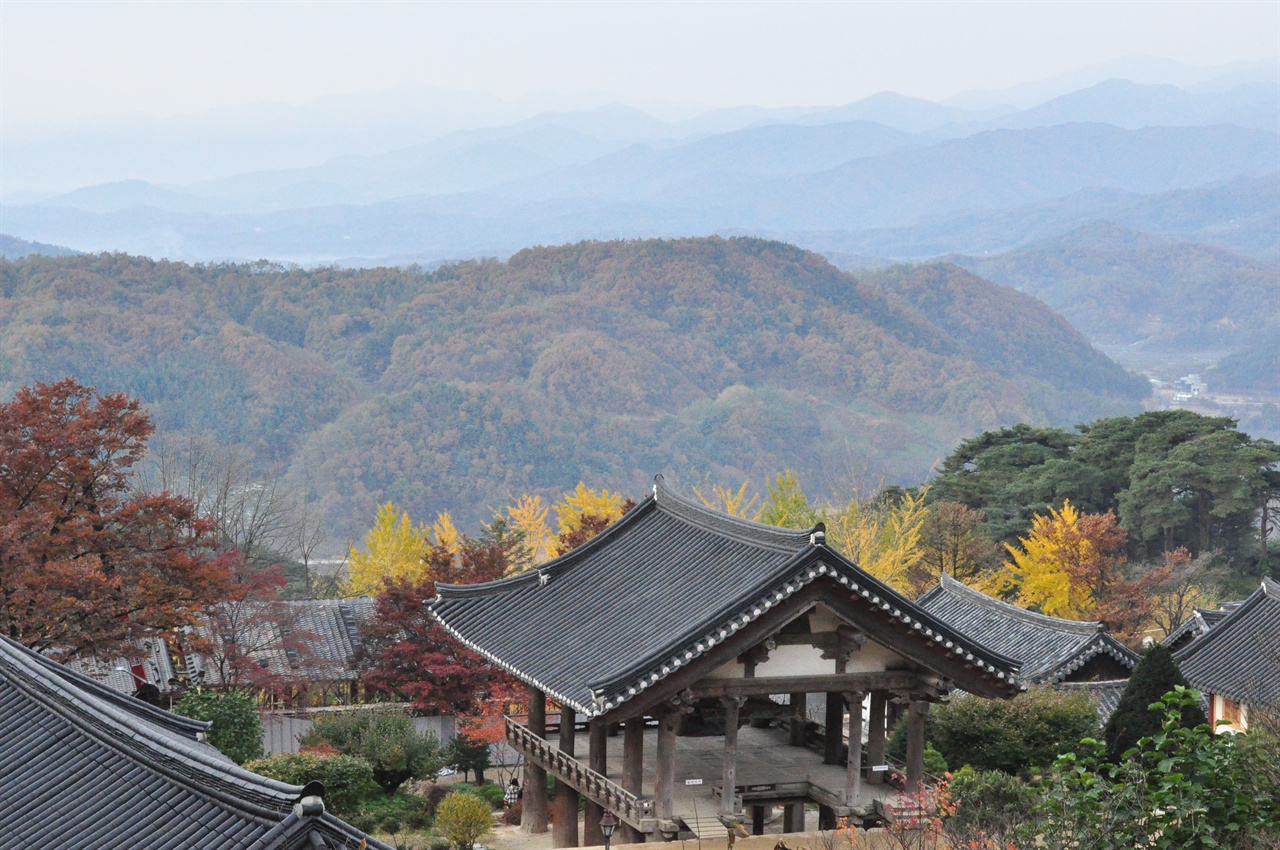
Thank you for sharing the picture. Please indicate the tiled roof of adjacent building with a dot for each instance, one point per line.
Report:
(1199, 623)
(1050, 648)
(83, 767)
(1105, 694)
(1239, 658)
(654, 591)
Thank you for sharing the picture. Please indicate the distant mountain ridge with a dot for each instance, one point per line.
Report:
(602, 361)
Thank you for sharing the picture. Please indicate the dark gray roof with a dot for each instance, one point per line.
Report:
(654, 591)
(82, 766)
(1049, 648)
(1239, 658)
(1105, 694)
(329, 628)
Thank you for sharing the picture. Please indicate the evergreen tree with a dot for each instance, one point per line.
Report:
(1156, 674)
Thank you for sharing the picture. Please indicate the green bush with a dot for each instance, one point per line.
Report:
(989, 804)
(1027, 732)
(237, 728)
(465, 756)
(348, 781)
(383, 737)
(463, 819)
(408, 811)
(934, 762)
(1184, 788)
(492, 794)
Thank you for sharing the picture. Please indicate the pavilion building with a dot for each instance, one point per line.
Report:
(685, 629)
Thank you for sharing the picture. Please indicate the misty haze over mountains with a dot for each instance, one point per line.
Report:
(886, 177)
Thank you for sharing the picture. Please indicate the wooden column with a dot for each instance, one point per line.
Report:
(729, 760)
(757, 820)
(793, 818)
(564, 805)
(834, 732)
(799, 717)
(875, 738)
(533, 816)
(597, 760)
(664, 784)
(826, 817)
(915, 743)
(853, 766)
(632, 772)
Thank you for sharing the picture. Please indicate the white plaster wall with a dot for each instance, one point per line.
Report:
(796, 661)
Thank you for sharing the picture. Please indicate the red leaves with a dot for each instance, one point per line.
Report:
(86, 565)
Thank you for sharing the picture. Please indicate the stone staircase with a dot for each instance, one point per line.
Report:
(701, 819)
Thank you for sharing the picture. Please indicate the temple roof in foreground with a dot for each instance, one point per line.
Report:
(1049, 648)
(660, 588)
(1239, 658)
(83, 766)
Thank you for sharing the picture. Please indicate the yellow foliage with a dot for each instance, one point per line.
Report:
(444, 534)
(529, 517)
(729, 501)
(393, 549)
(1040, 572)
(571, 508)
(884, 540)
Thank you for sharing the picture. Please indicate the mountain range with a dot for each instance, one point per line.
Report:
(461, 388)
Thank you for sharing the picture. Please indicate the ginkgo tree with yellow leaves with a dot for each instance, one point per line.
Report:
(395, 549)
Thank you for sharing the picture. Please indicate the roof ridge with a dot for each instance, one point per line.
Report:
(150, 713)
(958, 588)
(716, 520)
(552, 567)
(1224, 626)
(97, 717)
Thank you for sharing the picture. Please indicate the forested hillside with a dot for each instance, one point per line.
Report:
(1123, 287)
(610, 361)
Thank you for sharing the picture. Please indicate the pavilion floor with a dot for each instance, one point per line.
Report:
(764, 758)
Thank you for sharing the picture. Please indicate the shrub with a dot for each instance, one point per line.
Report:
(989, 804)
(1182, 788)
(1028, 731)
(1156, 674)
(237, 728)
(383, 737)
(511, 817)
(934, 762)
(465, 756)
(464, 818)
(348, 781)
(492, 795)
(432, 792)
(407, 811)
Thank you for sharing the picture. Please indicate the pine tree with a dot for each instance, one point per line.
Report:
(1156, 674)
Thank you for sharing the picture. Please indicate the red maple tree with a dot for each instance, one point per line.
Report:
(408, 655)
(87, 565)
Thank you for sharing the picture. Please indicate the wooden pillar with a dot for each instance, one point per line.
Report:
(876, 738)
(757, 820)
(853, 766)
(799, 717)
(729, 759)
(564, 806)
(793, 818)
(664, 784)
(826, 817)
(915, 743)
(597, 760)
(533, 817)
(835, 732)
(632, 773)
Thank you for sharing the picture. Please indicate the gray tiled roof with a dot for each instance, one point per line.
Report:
(1105, 694)
(1239, 658)
(1050, 648)
(329, 628)
(83, 767)
(654, 591)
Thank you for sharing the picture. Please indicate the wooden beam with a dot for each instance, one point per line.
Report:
(799, 702)
(915, 744)
(729, 759)
(876, 737)
(665, 779)
(853, 765)
(903, 680)
(564, 806)
(597, 760)
(833, 736)
(632, 772)
(533, 817)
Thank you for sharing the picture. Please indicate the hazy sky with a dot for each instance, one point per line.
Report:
(64, 60)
